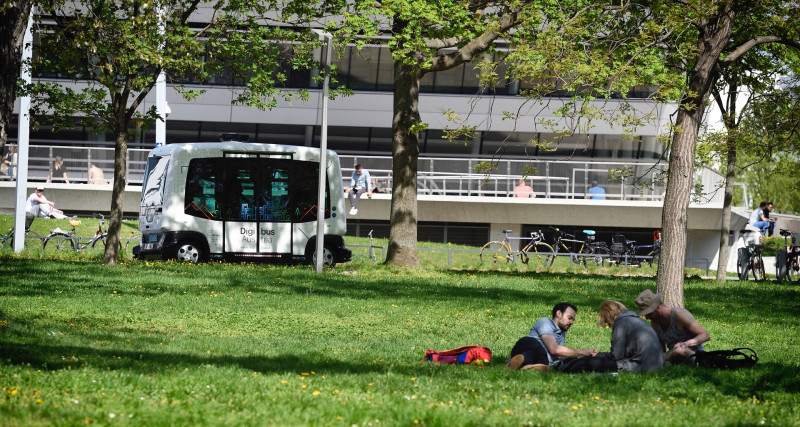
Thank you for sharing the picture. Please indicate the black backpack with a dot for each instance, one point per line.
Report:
(742, 357)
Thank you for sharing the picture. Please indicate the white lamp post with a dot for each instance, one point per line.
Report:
(323, 152)
(23, 137)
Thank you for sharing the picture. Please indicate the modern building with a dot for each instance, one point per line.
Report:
(456, 203)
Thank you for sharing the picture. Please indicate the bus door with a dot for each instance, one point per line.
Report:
(256, 217)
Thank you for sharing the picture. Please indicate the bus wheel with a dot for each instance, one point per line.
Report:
(189, 251)
(327, 257)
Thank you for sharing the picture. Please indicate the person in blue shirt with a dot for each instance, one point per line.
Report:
(359, 184)
(596, 192)
(544, 345)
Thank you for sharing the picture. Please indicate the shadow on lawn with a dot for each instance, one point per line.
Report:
(54, 357)
(679, 380)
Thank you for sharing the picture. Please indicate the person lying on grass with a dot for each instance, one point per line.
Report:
(544, 345)
(634, 345)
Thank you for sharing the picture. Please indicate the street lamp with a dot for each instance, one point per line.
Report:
(323, 151)
(23, 140)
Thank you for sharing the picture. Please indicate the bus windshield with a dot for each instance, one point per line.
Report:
(153, 185)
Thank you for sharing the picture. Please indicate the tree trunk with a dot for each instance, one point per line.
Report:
(713, 36)
(730, 177)
(13, 22)
(117, 196)
(402, 250)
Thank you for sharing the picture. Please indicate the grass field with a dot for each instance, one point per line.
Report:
(160, 343)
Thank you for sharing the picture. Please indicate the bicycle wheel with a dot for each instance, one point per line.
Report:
(495, 252)
(597, 256)
(136, 239)
(780, 264)
(101, 244)
(538, 254)
(742, 263)
(759, 271)
(653, 257)
(58, 241)
(551, 258)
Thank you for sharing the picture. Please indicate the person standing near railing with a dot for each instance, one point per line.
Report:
(771, 226)
(10, 162)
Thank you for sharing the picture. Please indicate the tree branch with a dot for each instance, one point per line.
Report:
(477, 45)
(749, 44)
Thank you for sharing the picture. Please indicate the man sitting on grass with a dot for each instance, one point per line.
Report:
(544, 345)
(676, 328)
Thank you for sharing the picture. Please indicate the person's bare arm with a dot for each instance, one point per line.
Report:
(41, 200)
(687, 322)
(559, 350)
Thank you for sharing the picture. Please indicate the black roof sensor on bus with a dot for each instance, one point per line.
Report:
(233, 136)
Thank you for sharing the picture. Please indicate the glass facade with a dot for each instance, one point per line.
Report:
(371, 69)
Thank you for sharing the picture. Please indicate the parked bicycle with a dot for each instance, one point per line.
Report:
(7, 240)
(624, 251)
(536, 249)
(69, 240)
(652, 252)
(749, 257)
(134, 239)
(787, 259)
(589, 253)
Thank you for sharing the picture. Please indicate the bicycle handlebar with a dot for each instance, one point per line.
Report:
(561, 233)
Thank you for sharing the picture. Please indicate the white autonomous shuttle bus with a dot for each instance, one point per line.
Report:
(235, 200)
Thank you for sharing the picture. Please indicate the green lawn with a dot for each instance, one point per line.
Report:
(160, 343)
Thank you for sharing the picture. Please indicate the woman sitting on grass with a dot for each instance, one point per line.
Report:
(634, 344)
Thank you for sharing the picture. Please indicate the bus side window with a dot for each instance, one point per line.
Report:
(201, 198)
(237, 192)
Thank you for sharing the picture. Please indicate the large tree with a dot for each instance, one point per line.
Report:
(115, 51)
(748, 98)
(716, 35)
(575, 46)
(13, 22)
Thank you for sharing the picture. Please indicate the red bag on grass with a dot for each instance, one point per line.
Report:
(468, 354)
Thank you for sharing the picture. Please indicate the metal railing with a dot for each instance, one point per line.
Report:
(445, 176)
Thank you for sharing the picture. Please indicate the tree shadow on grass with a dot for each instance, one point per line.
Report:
(57, 357)
(678, 382)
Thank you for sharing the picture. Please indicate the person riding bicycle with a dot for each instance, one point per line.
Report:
(39, 206)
